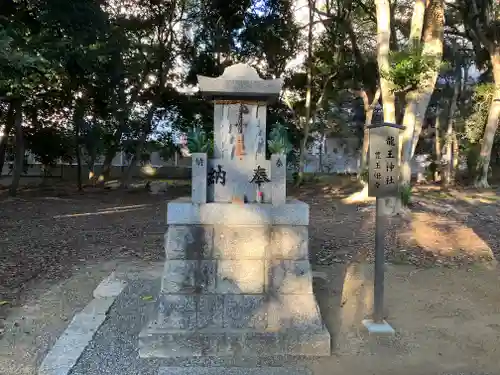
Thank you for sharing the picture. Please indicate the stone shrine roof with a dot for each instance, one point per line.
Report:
(240, 81)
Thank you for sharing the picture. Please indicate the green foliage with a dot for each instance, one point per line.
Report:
(48, 144)
(198, 141)
(270, 34)
(92, 140)
(478, 113)
(22, 69)
(278, 142)
(475, 162)
(166, 146)
(406, 194)
(409, 67)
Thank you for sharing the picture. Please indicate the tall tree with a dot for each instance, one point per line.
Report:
(417, 100)
(25, 72)
(270, 37)
(309, 70)
(482, 25)
(383, 9)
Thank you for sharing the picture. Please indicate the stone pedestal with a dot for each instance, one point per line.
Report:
(237, 281)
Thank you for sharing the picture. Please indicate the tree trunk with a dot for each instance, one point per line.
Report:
(122, 117)
(369, 103)
(417, 22)
(78, 118)
(303, 144)
(437, 149)
(383, 10)
(106, 166)
(19, 160)
(322, 134)
(78, 155)
(491, 124)
(127, 176)
(455, 156)
(418, 101)
(449, 140)
(4, 140)
(400, 106)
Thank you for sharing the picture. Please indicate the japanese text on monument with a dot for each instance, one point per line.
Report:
(217, 176)
(383, 163)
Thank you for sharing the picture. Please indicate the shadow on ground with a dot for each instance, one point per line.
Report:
(44, 236)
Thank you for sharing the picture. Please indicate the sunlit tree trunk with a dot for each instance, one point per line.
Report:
(437, 148)
(383, 10)
(450, 129)
(417, 21)
(369, 105)
(408, 118)
(491, 124)
(307, 120)
(383, 13)
(418, 101)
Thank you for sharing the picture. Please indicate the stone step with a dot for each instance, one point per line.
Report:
(233, 371)
(246, 343)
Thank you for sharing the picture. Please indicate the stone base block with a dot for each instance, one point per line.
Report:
(240, 288)
(185, 212)
(161, 343)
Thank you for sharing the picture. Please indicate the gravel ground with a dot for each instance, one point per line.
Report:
(114, 349)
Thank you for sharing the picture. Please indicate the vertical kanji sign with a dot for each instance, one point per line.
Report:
(383, 182)
(383, 166)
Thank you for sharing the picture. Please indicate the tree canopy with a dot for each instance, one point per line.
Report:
(82, 81)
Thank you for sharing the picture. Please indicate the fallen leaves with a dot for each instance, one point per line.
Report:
(347, 232)
(35, 246)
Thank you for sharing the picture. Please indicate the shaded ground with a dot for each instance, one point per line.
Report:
(44, 234)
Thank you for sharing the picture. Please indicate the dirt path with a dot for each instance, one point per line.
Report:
(447, 321)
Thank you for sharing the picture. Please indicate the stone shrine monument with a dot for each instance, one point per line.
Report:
(237, 280)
